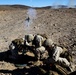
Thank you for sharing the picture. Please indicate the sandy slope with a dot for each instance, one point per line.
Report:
(58, 24)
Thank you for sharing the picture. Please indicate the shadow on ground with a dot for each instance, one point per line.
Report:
(24, 71)
(22, 59)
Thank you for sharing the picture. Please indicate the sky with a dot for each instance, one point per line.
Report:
(37, 3)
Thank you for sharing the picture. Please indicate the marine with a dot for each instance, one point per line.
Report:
(17, 45)
(28, 43)
(44, 49)
(40, 50)
(55, 53)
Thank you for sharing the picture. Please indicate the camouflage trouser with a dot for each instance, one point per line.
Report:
(56, 56)
(61, 60)
(41, 53)
(54, 70)
(61, 70)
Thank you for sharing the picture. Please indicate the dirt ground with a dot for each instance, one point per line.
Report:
(57, 24)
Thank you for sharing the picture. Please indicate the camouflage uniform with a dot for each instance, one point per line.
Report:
(29, 39)
(16, 46)
(40, 51)
(55, 52)
(28, 44)
(38, 41)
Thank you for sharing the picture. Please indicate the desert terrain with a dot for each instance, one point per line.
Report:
(57, 24)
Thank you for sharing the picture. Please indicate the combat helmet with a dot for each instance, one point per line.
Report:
(48, 43)
(29, 37)
(38, 39)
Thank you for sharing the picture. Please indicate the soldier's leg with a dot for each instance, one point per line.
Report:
(41, 53)
(65, 62)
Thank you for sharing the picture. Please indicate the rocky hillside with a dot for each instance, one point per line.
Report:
(57, 24)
